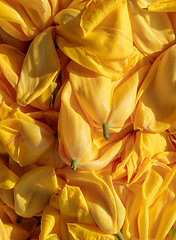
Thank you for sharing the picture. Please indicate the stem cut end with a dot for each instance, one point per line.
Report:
(18, 219)
(106, 130)
(119, 235)
(74, 165)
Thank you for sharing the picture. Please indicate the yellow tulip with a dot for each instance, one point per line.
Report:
(103, 203)
(24, 20)
(156, 109)
(25, 141)
(100, 40)
(75, 140)
(33, 191)
(106, 104)
(152, 32)
(36, 78)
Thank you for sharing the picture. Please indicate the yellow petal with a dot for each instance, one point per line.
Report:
(50, 222)
(92, 90)
(158, 5)
(87, 232)
(11, 62)
(124, 99)
(8, 179)
(95, 12)
(36, 78)
(33, 191)
(100, 199)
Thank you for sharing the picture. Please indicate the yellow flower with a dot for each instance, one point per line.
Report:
(24, 20)
(25, 141)
(152, 32)
(97, 35)
(103, 101)
(75, 142)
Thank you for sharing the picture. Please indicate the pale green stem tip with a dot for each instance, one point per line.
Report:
(74, 165)
(119, 235)
(106, 130)
(53, 88)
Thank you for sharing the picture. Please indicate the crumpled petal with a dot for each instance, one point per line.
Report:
(106, 208)
(156, 109)
(50, 222)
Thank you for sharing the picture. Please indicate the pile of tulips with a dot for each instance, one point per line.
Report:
(87, 119)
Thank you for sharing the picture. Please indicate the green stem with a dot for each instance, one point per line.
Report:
(74, 165)
(119, 235)
(18, 219)
(106, 130)
(55, 135)
(172, 232)
(145, 9)
(53, 95)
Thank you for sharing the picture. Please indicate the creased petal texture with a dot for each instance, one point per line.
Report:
(87, 119)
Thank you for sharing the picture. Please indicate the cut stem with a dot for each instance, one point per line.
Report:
(106, 130)
(119, 235)
(18, 219)
(74, 165)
